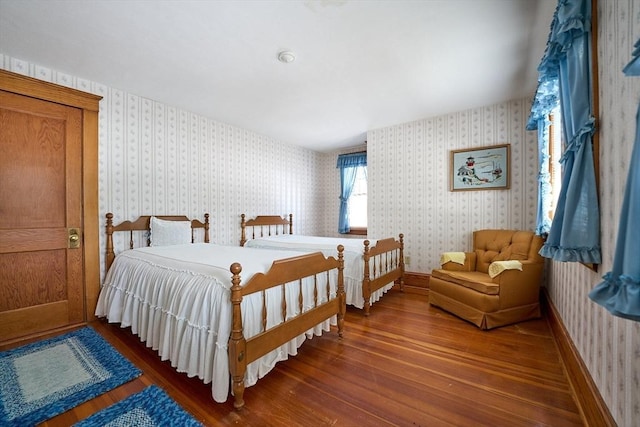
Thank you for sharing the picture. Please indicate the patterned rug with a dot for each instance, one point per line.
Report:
(151, 407)
(41, 380)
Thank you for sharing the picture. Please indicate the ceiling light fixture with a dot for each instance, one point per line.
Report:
(286, 57)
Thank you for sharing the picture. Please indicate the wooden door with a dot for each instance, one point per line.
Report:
(41, 194)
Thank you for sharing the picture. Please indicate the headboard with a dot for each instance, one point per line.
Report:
(265, 224)
(142, 224)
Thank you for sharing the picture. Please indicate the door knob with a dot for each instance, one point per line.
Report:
(74, 238)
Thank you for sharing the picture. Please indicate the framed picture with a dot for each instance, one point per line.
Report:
(482, 168)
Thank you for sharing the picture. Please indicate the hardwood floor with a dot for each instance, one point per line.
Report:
(408, 364)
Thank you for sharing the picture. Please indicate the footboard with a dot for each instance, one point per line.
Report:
(243, 351)
(383, 263)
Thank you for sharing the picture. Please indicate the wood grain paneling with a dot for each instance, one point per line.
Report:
(44, 192)
(44, 282)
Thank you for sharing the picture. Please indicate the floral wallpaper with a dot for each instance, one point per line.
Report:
(409, 167)
(408, 171)
(158, 159)
(155, 158)
(609, 345)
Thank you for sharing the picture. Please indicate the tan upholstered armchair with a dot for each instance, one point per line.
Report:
(495, 285)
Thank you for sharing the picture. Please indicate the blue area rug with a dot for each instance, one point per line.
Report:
(150, 407)
(41, 380)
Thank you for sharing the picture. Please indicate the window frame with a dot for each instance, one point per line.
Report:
(345, 162)
(358, 230)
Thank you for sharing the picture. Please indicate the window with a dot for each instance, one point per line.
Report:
(352, 217)
(555, 153)
(550, 175)
(357, 203)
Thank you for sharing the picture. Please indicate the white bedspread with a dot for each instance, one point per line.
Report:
(353, 259)
(177, 300)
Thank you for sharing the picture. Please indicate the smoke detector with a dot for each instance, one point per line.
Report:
(286, 57)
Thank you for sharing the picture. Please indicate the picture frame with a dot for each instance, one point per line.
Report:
(481, 168)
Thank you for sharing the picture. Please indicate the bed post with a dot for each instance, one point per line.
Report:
(110, 255)
(341, 293)
(237, 341)
(206, 228)
(366, 283)
(290, 223)
(401, 262)
(243, 238)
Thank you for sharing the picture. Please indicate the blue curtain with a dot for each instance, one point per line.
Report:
(620, 291)
(575, 229)
(633, 67)
(348, 165)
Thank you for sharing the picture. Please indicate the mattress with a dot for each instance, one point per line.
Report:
(353, 259)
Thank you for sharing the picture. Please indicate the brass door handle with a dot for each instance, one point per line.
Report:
(74, 238)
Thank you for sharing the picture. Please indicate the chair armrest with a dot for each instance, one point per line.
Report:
(469, 263)
(520, 287)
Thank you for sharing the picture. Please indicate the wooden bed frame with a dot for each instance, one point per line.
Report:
(266, 225)
(243, 351)
(378, 256)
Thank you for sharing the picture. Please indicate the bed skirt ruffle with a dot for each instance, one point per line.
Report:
(186, 318)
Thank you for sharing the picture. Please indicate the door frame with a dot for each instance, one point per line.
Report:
(89, 104)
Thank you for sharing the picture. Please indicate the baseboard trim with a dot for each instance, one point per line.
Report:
(416, 283)
(593, 408)
(416, 280)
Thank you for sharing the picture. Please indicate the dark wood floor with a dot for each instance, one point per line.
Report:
(408, 364)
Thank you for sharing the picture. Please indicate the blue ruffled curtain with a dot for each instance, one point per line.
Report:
(348, 165)
(575, 230)
(620, 291)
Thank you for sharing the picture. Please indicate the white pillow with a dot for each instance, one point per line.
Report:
(166, 233)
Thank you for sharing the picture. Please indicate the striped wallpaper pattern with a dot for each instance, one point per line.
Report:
(155, 158)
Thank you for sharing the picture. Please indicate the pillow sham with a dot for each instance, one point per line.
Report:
(167, 233)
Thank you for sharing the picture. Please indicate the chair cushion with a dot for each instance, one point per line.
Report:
(480, 282)
(500, 245)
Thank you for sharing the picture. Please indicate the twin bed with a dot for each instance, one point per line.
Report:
(228, 314)
(372, 267)
(188, 301)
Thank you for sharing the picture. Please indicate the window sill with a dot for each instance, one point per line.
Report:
(358, 231)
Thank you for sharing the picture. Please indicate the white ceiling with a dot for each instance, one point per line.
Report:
(360, 65)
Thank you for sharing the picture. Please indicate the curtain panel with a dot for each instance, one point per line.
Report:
(348, 165)
(575, 230)
(620, 291)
